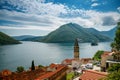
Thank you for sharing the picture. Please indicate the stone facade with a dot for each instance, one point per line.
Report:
(76, 50)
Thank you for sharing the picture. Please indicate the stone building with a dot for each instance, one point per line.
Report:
(108, 59)
(76, 50)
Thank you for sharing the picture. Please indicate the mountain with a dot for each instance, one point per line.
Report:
(5, 39)
(38, 38)
(23, 37)
(69, 32)
(110, 33)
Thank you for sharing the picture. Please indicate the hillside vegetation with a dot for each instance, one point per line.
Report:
(69, 32)
(5, 39)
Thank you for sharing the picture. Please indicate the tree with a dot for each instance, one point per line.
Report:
(40, 66)
(114, 67)
(32, 66)
(113, 76)
(97, 55)
(116, 44)
(114, 72)
(20, 69)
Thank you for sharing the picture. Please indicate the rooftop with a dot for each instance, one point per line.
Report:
(51, 73)
(107, 53)
(27, 75)
(92, 75)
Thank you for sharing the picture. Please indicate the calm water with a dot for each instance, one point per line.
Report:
(12, 56)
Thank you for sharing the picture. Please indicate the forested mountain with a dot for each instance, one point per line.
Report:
(5, 39)
(69, 32)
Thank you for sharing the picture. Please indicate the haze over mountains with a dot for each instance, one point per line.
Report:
(70, 31)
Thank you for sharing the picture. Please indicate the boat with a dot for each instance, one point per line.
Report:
(94, 43)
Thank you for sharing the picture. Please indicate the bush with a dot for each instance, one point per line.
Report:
(40, 66)
(114, 67)
(97, 55)
(20, 69)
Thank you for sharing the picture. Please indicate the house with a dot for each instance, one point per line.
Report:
(27, 75)
(76, 64)
(92, 75)
(104, 57)
(6, 72)
(108, 59)
(86, 60)
(52, 67)
(67, 62)
(54, 72)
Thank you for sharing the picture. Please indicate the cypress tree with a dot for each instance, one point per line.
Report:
(32, 66)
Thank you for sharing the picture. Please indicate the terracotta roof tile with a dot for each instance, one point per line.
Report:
(49, 74)
(106, 53)
(92, 75)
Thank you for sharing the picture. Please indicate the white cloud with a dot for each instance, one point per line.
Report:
(118, 9)
(37, 7)
(48, 16)
(95, 4)
(93, 0)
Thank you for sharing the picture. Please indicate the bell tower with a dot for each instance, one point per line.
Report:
(76, 50)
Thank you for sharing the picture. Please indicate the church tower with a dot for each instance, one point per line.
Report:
(76, 50)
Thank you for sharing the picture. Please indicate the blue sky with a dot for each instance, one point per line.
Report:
(39, 17)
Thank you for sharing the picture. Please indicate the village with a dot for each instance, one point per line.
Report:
(69, 69)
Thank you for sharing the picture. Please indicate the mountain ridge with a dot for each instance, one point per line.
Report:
(72, 29)
(69, 32)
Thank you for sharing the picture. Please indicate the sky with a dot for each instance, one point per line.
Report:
(40, 17)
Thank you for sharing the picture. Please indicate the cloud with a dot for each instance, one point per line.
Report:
(35, 7)
(93, 0)
(95, 4)
(38, 15)
(108, 21)
(118, 9)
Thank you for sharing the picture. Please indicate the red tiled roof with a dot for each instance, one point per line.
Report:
(69, 60)
(92, 75)
(106, 53)
(85, 60)
(49, 74)
(6, 72)
(53, 65)
(29, 75)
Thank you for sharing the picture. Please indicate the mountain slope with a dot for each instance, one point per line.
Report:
(22, 37)
(110, 33)
(97, 34)
(38, 38)
(5, 39)
(69, 32)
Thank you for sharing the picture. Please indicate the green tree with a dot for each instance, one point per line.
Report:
(98, 54)
(20, 69)
(116, 44)
(40, 66)
(113, 76)
(114, 67)
(114, 72)
(32, 66)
